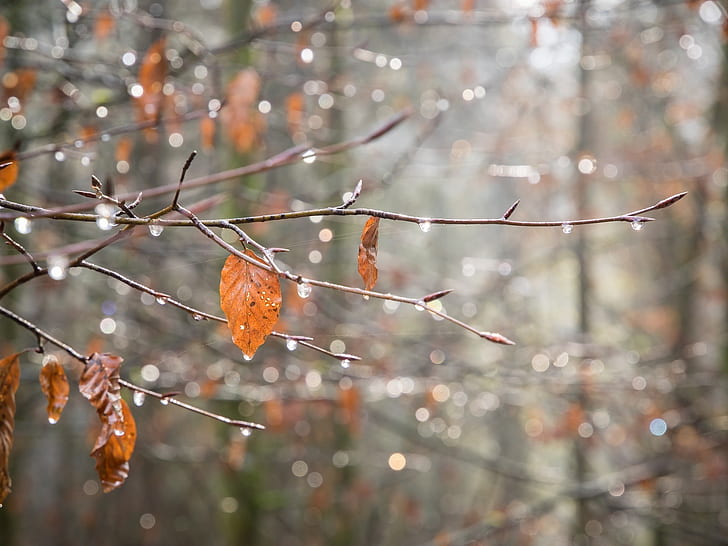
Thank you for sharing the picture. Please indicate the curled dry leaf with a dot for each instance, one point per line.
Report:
(113, 453)
(250, 297)
(8, 169)
(242, 120)
(9, 382)
(99, 383)
(368, 253)
(54, 385)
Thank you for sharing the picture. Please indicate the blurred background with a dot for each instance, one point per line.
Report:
(606, 424)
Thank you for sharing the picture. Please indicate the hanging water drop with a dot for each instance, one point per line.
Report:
(138, 398)
(52, 420)
(245, 431)
(164, 401)
(345, 363)
(161, 300)
(567, 228)
(197, 317)
(291, 344)
(247, 357)
(118, 432)
(303, 289)
(637, 225)
(425, 226)
(23, 225)
(156, 230)
(365, 297)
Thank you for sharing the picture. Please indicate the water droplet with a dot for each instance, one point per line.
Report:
(303, 289)
(309, 156)
(291, 344)
(245, 431)
(57, 267)
(156, 230)
(637, 225)
(118, 432)
(197, 317)
(161, 300)
(247, 357)
(105, 221)
(138, 398)
(52, 421)
(567, 228)
(345, 363)
(23, 225)
(425, 226)
(365, 297)
(164, 401)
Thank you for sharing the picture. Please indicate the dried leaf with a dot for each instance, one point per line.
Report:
(266, 14)
(368, 253)
(4, 31)
(8, 172)
(54, 385)
(152, 72)
(99, 383)
(242, 120)
(250, 297)
(104, 25)
(295, 105)
(207, 133)
(113, 451)
(9, 382)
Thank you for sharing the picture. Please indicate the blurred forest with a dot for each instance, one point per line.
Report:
(606, 423)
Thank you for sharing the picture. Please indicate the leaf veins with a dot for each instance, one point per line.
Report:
(9, 382)
(250, 297)
(368, 253)
(99, 383)
(113, 454)
(54, 385)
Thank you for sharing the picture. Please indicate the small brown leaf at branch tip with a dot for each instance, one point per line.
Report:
(9, 172)
(113, 451)
(9, 382)
(437, 295)
(368, 253)
(54, 385)
(497, 338)
(250, 297)
(670, 200)
(507, 214)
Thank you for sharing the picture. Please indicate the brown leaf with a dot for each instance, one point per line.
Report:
(207, 133)
(152, 72)
(295, 106)
(54, 385)
(104, 25)
(99, 383)
(250, 297)
(368, 253)
(8, 173)
(242, 120)
(9, 382)
(113, 451)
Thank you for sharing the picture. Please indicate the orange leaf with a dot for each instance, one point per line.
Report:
(54, 385)
(295, 104)
(8, 169)
(99, 383)
(241, 118)
(4, 31)
(368, 253)
(266, 14)
(113, 451)
(104, 25)
(207, 133)
(250, 297)
(9, 382)
(152, 72)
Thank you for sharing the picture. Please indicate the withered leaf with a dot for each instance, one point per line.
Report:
(8, 169)
(113, 450)
(152, 72)
(242, 120)
(250, 297)
(9, 382)
(368, 253)
(54, 385)
(99, 383)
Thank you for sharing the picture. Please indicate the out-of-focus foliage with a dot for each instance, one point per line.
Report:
(606, 424)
